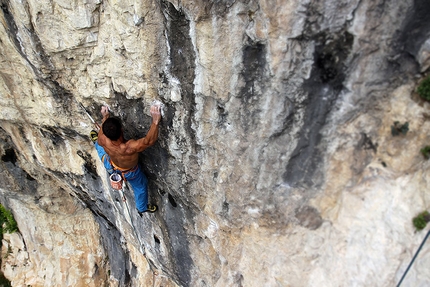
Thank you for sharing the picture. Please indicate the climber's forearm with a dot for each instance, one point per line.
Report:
(105, 117)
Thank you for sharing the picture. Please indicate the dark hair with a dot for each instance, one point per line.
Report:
(112, 128)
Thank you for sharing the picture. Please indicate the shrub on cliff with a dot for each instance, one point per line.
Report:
(397, 128)
(7, 222)
(424, 89)
(420, 221)
(425, 151)
(4, 282)
(9, 225)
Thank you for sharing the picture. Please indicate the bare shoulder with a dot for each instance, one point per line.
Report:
(131, 146)
(101, 140)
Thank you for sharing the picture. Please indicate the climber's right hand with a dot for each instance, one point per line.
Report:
(105, 111)
(155, 113)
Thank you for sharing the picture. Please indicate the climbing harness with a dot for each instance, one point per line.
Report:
(118, 177)
(413, 259)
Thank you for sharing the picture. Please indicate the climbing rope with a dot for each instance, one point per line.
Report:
(413, 259)
(142, 247)
(151, 264)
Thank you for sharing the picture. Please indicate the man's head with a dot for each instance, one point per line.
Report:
(112, 128)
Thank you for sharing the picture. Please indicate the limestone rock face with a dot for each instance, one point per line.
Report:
(275, 166)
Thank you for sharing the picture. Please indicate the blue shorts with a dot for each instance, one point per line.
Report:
(134, 176)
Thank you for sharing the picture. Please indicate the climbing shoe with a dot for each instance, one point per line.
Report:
(151, 209)
(94, 136)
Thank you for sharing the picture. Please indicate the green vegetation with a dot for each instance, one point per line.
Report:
(398, 129)
(7, 225)
(420, 221)
(7, 222)
(4, 282)
(9, 251)
(424, 89)
(425, 151)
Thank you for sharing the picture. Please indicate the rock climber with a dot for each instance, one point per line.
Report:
(121, 156)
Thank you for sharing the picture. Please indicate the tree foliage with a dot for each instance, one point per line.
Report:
(7, 222)
(424, 89)
(420, 221)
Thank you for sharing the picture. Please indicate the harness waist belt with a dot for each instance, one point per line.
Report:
(122, 169)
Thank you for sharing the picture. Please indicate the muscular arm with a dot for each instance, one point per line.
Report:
(152, 135)
(101, 136)
(145, 142)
